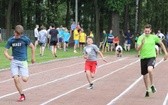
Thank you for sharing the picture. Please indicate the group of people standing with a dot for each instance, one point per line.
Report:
(79, 36)
(111, 42)
(53, 37)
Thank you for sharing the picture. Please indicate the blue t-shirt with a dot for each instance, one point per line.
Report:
(19, 47)
(66, 36)
(110, 38)
(61, 32)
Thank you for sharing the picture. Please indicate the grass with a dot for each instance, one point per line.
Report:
(5, 63)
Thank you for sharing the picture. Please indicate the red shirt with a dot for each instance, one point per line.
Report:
(116, 40)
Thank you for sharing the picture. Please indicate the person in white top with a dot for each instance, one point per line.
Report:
(119, 51)
(42, 39)
(162, 37)
(36, 35)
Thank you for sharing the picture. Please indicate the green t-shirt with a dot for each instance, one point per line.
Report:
(105, 37)
(148, 48)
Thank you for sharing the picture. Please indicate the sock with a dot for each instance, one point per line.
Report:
(22, 95)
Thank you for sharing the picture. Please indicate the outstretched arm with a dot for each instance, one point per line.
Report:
(164, 49)
(100, 53)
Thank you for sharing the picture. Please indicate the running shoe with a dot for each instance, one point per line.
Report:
(147, 94)
(153, 89)
(90, 86)
(22, 98)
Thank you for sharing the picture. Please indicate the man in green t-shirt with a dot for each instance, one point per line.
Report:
(146, 46)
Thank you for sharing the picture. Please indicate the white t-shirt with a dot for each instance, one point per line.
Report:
(119, 47)
(156, 47)
(36, 33)
(43, 36)
(161, 36)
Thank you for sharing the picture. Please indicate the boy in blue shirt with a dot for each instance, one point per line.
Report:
(19, 65)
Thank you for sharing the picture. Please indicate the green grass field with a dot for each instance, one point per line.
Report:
(5, 63)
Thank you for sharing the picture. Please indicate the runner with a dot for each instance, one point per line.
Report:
(146, 46)
(19, 65)
(90, 54)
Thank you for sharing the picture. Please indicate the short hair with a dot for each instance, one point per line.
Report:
(19, 29)
(90, 37)
(52, 25)
(148, 26)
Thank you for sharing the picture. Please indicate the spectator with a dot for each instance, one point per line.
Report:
(42, 39)
(36, 35)
(54, 39)
(119, 50)
(128, 36)
(66, 37)
(82, 39)
(76, 39)
(110, 40)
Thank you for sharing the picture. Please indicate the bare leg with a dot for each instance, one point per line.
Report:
(18, 84)
(150, 70)
(146, 80)
(88, 76)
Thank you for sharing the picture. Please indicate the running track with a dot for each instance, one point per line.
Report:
(63, 82)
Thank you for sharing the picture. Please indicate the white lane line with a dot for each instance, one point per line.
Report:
(68, 92)
(54, 60)
(45, 71)
(38, 73)
(129, 88)
(165, 100)
(65, 77)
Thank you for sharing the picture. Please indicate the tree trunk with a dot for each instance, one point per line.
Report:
(67, 13)
(8, 18)
(139, 16)
(115, 26)
(97, 36)
(126, 18)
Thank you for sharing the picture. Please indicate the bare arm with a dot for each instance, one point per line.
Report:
(100, 53)
(140, 46)
(7, 54)
(32, 52)
(164, 49)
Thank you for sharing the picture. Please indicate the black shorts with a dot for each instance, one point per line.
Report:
(81, 43)
(119, 50)
(53, 43)
(35, 38)
(115, 45)
(145, 63)
(41, 44)
(158, 44)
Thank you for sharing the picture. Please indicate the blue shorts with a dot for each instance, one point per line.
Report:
(19, 68)
(129, 41)
(76, 41)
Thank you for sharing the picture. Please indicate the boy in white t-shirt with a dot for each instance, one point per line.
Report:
(118, 51)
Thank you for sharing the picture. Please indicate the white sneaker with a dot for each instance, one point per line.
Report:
(90, 86)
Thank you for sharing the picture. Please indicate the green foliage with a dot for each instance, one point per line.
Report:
(116, 5)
